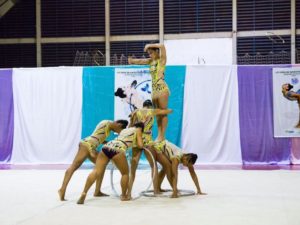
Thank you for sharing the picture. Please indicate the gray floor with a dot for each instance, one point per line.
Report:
(235, 197)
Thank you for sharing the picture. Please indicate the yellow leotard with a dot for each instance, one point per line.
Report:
(125, 140)
(173, 151)
(99, 135)
(159, 85)
(145, 116)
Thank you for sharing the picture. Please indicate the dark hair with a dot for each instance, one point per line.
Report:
(290, 86)
(120, 93)
(147, 103)
(153, 49)
(191, 157)
(124, 123)
(139, 125)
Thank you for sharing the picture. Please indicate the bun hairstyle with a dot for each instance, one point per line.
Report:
(139, 125)
(124, 123)
(290, 86)
(192, 158)
(147, 103)
(153, 49)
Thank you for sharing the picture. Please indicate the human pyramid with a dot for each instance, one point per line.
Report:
(138, 137)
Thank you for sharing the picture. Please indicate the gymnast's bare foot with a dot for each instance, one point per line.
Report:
(157, 192)
(174, 195)
(124, 198)
(100, 194)
(61, 195)
(81, 199)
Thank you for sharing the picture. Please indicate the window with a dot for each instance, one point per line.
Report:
(263, 14)
(121, 50)
(72, 18)
(64, 54)
(298, 14)
(19, 21)
(264, 50)
(129, 17)
(18, 55)
(190, 16)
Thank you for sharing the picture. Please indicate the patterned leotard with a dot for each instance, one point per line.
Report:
(145, 116)
(173, 151)
(99, 135)
(125, 140)
(159, 85)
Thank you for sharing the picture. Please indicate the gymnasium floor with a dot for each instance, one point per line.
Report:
(262, 195)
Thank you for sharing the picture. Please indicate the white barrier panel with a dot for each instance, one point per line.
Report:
(211, 114)
(47, 113)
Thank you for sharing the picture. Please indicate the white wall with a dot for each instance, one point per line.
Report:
(211, 51)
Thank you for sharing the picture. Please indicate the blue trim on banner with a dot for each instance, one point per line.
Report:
(98, 97)
(175, 77)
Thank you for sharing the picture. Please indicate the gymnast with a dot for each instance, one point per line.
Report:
(146, 116)
(292, 96)
(176, 156)
(115, 150)
(160, 91)
(87, 149)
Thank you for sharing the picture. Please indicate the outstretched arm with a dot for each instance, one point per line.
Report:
(195, 179)
(294, 95)
(163, 53)
(139, 61)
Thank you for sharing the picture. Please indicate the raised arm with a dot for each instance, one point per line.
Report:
(162, 49)
(139, 61)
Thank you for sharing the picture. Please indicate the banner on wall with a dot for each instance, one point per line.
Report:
(47, 114)
(286, 89)
(132, 88)
(211, 123)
